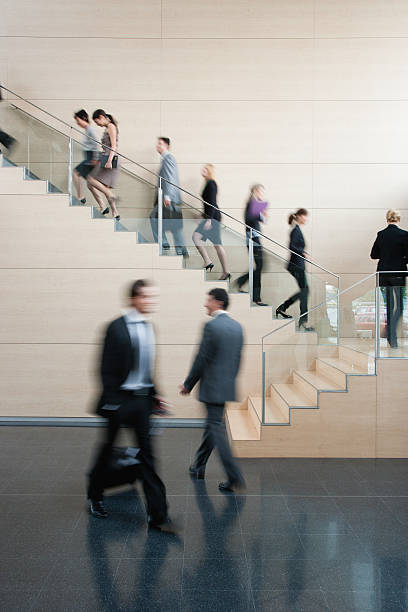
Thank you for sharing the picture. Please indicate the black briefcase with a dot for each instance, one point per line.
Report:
(124, 467)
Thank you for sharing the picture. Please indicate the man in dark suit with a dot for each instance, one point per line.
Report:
(391, 248)
(216, 367)
(128, 397)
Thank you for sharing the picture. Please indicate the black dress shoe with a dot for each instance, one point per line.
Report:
(96, 508)
(166, 247)
(306, 328)
(231, 487)
(199, 474)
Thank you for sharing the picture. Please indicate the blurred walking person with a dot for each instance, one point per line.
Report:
(172, 215)
(91, 149)
(105, 175)
(216, 366)
(128, 398)
(255, 214)
(210, 227)
(391, 249)
(296, 268)
(5, 139)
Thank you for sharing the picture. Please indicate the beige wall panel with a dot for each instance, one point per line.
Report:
(250, 69)
(122, 69)
(357, 18)
(3, 56)
(248, 132)
(62, 306)
(374, 69)
(238, 19)
(354, 232)
(58, 379)
(186, 304)
(361, 132)
(286, 185)
(133, 19)
(350, 419)
(360, 186)
(392, 415)
(52, 234)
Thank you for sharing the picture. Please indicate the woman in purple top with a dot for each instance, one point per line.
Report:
(255, 214)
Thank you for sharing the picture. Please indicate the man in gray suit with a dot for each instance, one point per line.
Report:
(172, 216)
(216, 367)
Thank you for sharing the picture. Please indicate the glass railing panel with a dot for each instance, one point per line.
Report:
(43, 150)
(392, 309)
(357, 311)
(293, 289)
(288, 353)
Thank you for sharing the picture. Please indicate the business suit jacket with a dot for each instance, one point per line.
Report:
(296, 244)
(217, 362)
(169, 170)
(118, 359)
(391, 248)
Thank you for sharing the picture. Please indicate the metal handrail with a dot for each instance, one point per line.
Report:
(72, 128)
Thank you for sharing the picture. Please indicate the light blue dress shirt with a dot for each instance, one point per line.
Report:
(143, 342)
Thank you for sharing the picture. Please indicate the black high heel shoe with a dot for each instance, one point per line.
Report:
(282, 313)
(209, 267)
(225, 276)
(105, 212)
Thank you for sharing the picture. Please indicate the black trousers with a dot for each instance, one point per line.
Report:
(215, 436)
(394, 304)
(134, 412)
(258, 259)
(300, 276)
(175, 226)
(6, 139)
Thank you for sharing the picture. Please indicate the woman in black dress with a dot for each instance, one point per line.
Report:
(209, 228)
(296, 268)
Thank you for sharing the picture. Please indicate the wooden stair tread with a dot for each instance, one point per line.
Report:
(272, 412)
(241, 425)
(293, 396)
(344, 366)
(320, 382)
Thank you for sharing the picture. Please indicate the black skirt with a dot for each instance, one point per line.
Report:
(85, 167)
(213, 234)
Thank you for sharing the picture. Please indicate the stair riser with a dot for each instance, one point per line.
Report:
(280, 402)
(330, 372)
(255, 418)
(354, 357)
(305, 387)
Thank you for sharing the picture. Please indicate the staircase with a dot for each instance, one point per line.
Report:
(303, 415)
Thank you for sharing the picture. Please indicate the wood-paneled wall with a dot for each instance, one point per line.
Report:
(309, 97)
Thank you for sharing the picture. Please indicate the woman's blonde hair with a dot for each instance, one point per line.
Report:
(210, 170)
(393, 216)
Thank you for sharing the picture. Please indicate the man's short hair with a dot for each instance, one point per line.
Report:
(136, 287)
(165, 139)
(221, 296)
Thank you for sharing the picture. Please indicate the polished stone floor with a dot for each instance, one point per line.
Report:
(307, 535)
